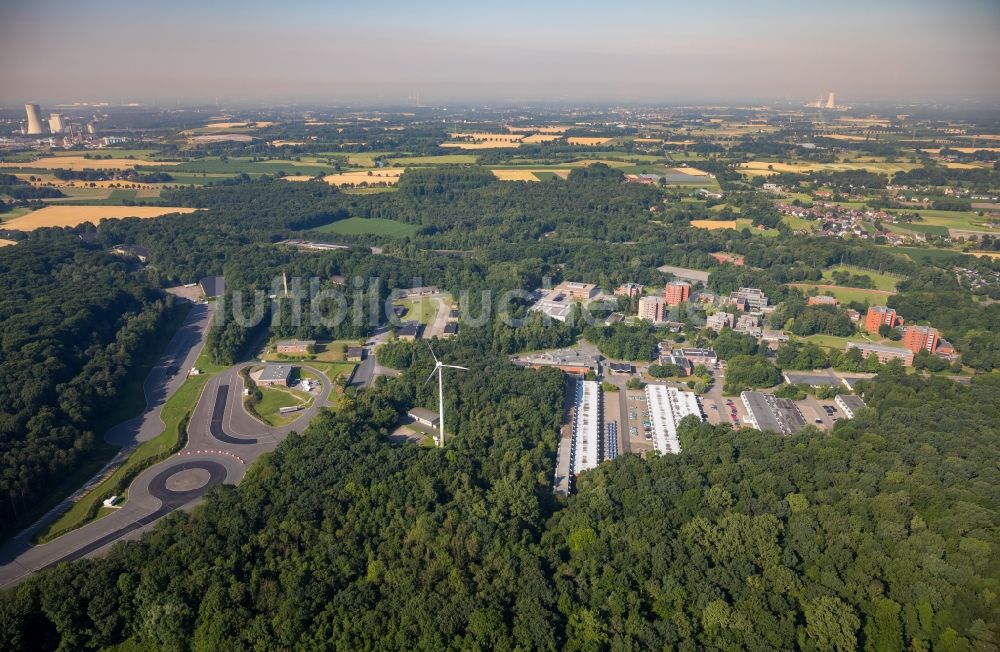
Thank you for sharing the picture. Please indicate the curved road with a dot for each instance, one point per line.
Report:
(223, 439)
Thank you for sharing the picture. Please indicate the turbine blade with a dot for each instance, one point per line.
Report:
(432, 353)
(455, 366)
(430, 376)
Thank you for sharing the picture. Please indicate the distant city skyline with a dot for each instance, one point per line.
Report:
(775, 51)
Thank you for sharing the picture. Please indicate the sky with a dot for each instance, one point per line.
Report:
(387, 51)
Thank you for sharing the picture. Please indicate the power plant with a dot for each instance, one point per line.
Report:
(34, 119)
(830, 103)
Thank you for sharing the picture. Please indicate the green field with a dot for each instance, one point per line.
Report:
(840, 343)
(215, 165)
(967, 220)
(919, 255)
(909, 229)
(799, 224)
(422, 310)
(881, 281)
(369, 226)
(368, 191)
(846, 295)
(275, 398)
(443, 159)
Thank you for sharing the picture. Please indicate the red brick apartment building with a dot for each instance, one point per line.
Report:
(879, 315)
(677, 292)
(920, 338)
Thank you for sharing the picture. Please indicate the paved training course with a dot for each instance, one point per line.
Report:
(222, 440)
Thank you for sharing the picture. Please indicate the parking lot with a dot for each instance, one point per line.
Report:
(640, 428)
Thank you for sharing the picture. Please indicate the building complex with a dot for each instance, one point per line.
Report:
(667, 407)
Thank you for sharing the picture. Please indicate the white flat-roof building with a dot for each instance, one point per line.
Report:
(667, 406)
(586, 426)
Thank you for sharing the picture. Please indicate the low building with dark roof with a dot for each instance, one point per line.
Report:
(451, 328)
(849, 403)
(425, 417)
(355, 353)
(408, 331)
(275, 374)
(213, 286)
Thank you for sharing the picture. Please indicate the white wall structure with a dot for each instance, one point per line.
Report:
(56, 125)
(667, 406)
(586, 426)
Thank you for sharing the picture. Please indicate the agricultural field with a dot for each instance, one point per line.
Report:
(83, 163)
(961, 220)
(245, 165)
(922, 255)
(515, 175)
(442, 159)
(387, 176)
(587, 141)
(882, 281)
(369, 226)
(799, 224)
(7, 243)
(759, 168)
(713, 225)
(471, 145)
(76, 215)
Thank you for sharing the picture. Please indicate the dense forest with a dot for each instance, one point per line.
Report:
(879, 536)
(72, 321)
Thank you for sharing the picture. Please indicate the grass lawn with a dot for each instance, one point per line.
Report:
(846, 295)
(422, 310)
(882, 281)
(840, 343)
(174, 410)
(904, 229)
(545, 176)
(17, 211)
(275, 398)
(799, 224)
(369, 226)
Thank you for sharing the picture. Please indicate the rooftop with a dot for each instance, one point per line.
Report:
(273, 372)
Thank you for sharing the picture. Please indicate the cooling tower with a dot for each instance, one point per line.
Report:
(830, 104)
(56, 123)
(34, 119)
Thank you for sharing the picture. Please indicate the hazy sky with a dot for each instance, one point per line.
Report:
(386, 50)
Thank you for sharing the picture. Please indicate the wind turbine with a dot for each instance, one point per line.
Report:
(439, 368)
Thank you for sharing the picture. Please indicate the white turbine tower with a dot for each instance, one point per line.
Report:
(439, 368)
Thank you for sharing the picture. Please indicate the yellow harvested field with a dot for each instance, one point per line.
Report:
(648, 140)
(965, 166)
(74, 215)
(515, 175)
(713, 225)
(297, 177)
(995, 255)
(693, 172)
(7, 243)
(370, 177)
(81, 163)
(469, 145)
(541, 138)
(582, 140)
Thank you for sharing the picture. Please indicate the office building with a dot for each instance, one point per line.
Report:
(749, 299)
(629, 290)
(767, 412)
(578, 291)
(720, 320)
(586, 446)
